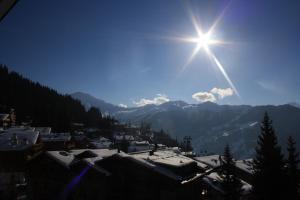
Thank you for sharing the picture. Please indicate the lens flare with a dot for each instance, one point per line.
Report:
(204, 41)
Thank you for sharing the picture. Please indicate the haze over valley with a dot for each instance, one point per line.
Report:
(210, 125)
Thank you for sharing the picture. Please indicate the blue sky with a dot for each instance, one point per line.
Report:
(118, 50)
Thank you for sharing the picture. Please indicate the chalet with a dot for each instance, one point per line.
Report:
(109, 174)
(70, 174)
(211, 182)
(58, 141)
(161, 174)
(118, 138)
(139, 146)
(19, 145)
(100, 143)
(4, 120)
(8, 119)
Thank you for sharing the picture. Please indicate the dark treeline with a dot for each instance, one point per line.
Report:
(43, 106)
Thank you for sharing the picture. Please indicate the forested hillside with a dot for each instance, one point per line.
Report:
(43, 105)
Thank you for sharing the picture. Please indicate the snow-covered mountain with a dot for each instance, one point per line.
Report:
(210, 125)
(88, 101)
(295, 104)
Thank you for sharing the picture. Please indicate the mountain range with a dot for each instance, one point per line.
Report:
(210, 125)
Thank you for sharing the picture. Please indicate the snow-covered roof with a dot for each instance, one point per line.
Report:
(214, 180)
(165, 158)
(17, 140)
(245, 165)
(101, 143)
(140, 143)
(19, 128)
(43, 130)
(56, 137)
(212, 160)
(153, 166)
(89, 156)
(165, 162)
(246, 188)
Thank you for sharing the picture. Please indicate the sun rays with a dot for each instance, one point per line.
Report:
(203, 41)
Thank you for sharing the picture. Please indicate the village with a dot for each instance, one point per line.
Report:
(36, 163)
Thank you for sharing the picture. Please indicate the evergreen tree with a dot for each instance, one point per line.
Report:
(94, 117)
(268, 165)
(231, 185)
(292, 170)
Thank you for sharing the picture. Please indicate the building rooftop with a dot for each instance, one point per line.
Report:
(43, 130)
(245, 165)
(89, 156)
(165, 157)
(56, 137)
(17, 140)
(212, 160)
(168, 163)
(20, 128)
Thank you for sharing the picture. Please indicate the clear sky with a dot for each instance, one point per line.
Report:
(121, 51)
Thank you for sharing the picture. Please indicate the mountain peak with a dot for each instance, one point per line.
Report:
(178, 103)
(90, 101)
(295, 104)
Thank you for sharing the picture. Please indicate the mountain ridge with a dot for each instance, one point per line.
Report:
(212, 126)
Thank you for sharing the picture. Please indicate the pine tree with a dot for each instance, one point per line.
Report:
(268, 165)
(292, 170)
(231, 185)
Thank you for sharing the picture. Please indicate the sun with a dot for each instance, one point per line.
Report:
(203, 41)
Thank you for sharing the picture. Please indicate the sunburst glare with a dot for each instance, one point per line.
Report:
(203, 41)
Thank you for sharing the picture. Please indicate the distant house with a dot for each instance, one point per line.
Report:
(139, 146)
(7, 119)
(19, 145)
(101, 143)
(58, 141)
(4, 120)
(120, 137)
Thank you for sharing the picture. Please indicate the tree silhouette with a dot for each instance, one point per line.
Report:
(292, 170)
(231, 185)
(268, 165)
